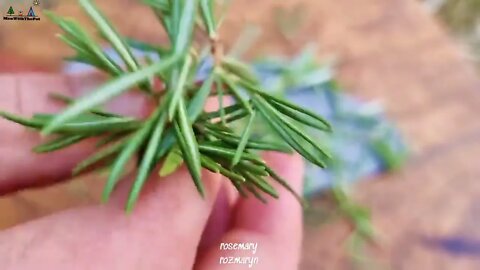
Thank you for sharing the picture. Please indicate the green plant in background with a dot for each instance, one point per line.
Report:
(461, 17)
(178, 131)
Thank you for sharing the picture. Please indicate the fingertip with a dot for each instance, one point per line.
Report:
(219, 220)
(277, 225)
(175, 192)
(278, 216)
(288, 166)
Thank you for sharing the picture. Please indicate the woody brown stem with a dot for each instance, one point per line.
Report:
(217, 49)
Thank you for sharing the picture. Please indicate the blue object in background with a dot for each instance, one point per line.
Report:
(363, 142)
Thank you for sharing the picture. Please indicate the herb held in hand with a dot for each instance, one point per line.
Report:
(178, 131)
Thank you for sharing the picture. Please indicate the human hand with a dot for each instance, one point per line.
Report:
(172, 227)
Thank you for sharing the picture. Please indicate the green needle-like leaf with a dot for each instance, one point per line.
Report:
(221, 109)
(172, 162)
(234, 140)
(33, 123)
(209, 164)
(147, 47)
(127, 152)
(227, 110)
(303, 135)
(285, 134)
(77, 37)
(301, 117)
(100, 155)
(232, 175)
(163, 5)
(110, 138)
(107, 125)
(239, 187)
(253, 168)
(77, 47)
(185, 26)
(239, 69)
(59, 143)
(106, 92)
(86, 124)
(197, 104)
(285, 184)
(269, 146)
(251, 187)
(236, 116)
(243, 140)
(217, 126)
(236, 93)
(225, 152)
(278, 102)
(69, 100)
(189, 146)
(167, 143)
(147, 162)
(110, 34)
(82, 118)
(261, 184)
(179, 88)
(176, 7)
(206, 7)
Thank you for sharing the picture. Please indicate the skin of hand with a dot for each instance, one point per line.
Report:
(172, 227)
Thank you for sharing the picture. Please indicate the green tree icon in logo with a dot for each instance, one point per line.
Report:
(10, 11)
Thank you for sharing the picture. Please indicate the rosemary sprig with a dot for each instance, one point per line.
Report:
(179, 130)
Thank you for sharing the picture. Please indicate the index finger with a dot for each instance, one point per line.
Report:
(275, 229)
(26, 94)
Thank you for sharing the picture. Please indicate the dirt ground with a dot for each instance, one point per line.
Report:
(390, 50)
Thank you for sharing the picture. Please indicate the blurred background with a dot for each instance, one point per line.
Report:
(417, 61)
